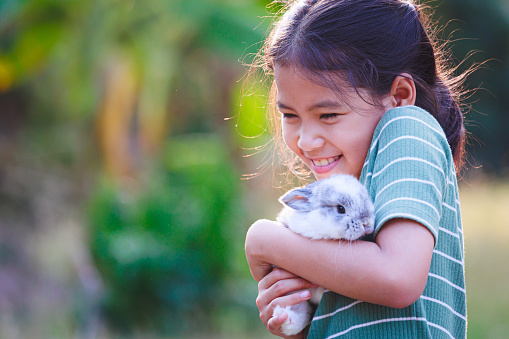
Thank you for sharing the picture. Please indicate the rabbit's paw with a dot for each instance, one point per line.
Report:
(295, 322)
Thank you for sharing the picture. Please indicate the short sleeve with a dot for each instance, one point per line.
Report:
(409, 160)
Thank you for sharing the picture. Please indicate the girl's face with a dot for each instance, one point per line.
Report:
(331, 136)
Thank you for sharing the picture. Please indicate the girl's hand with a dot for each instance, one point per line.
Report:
(282, 288)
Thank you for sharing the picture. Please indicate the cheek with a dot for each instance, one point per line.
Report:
(365, 134)
(358, 147)
(361, 146)
(289, 137)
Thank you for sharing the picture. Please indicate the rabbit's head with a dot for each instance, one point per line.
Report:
(338, 207)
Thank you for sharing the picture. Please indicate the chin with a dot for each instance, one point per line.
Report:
(324, 176)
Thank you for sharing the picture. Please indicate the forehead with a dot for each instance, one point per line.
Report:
(293, 86)
(324, 90)
(333, 196)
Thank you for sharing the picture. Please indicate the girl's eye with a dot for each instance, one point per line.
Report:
(341, 209)
(289, 115)
(329, 116)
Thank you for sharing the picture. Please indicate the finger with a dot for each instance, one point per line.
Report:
(284, 287)
(267, 311)
(274, 324)
(291, 299)
(276, 275)
(280, 289)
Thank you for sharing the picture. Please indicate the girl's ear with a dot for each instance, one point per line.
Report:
(403, 90)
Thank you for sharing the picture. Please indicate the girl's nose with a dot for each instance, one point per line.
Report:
(309, 139)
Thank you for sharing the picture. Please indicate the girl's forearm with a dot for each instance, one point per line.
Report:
(393, 273)
(330, 264)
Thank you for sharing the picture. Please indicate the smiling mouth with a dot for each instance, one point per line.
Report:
(325, 161)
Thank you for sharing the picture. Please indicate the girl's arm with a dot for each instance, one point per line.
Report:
(391, 271)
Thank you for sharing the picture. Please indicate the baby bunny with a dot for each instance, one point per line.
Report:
(338, 207)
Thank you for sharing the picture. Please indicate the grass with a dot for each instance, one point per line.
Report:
(485, 207)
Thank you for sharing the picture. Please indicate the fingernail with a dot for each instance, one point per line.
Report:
(305, 295)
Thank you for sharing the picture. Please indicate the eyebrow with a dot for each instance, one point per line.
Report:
(327, 103)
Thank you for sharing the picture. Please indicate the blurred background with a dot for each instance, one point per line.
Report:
(122, 206)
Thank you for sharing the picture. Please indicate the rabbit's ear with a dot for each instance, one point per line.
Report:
(298, 199)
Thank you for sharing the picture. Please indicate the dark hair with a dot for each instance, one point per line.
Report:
(369, 43)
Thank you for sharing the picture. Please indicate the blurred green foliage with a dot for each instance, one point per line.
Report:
(165, 248)
(179, 56)
(131, 96)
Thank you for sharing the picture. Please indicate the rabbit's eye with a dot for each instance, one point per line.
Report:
(341, 209)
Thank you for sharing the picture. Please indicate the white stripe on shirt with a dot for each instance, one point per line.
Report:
(441, 328)
(449, 207)
(375, 323)
(411, 180)
(409, 199)
(447, 281)
(338, 310)
(413, 138)
(391, 320)
(448, 232)
(448, 257)
(399, 118)
(445, 305)
(410, 216)
(411, 159)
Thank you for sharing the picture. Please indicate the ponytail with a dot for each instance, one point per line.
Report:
(439, 100)
(450, 117)
(439, 91)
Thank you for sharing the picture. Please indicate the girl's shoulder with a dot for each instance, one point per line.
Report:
(409, 119)
(409, 132)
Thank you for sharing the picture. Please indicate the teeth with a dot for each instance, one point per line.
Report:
(325, 162)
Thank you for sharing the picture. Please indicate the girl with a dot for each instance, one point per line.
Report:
(362, 91)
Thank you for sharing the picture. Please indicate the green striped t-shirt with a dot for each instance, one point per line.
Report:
(409, 173)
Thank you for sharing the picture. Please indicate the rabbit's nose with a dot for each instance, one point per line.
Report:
(368, 227)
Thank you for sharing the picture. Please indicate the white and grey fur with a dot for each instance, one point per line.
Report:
(338, 207)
